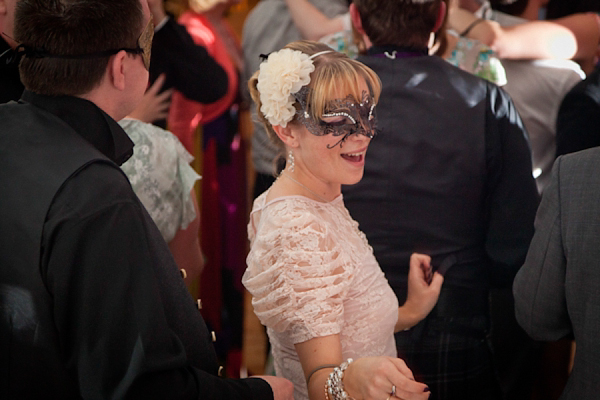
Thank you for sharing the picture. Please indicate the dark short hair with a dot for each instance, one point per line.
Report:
(73, 27)
(398, 22)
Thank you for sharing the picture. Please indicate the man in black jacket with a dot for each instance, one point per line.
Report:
(91, 302)
(449, 176)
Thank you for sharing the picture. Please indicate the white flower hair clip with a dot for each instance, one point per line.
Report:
(282, 75)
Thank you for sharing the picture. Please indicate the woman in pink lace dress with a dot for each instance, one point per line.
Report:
(314, 280)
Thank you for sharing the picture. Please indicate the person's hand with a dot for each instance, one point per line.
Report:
(282, 388)
(154, 106)
(423, 291)
(373, 378)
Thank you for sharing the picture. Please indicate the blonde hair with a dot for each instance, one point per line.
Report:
(334, 73)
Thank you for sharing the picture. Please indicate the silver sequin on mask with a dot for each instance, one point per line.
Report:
(358, 117)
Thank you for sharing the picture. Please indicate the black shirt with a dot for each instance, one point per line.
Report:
(187, 66)
(126, 327)
(11, 87)
(578, 119)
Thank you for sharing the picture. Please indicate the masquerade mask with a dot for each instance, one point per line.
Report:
(144, 43)
(144, 47)
(343, 117)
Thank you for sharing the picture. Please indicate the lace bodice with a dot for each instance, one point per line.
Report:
(312, 273)
(161, 176)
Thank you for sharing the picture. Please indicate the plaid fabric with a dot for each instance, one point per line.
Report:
(452, 356)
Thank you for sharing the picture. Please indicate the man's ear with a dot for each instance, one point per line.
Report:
(286, 135)
(116, 69)
(356, 20)
(3, 8)
(441, 16)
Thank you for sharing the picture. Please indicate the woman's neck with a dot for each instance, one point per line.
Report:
(312, 187)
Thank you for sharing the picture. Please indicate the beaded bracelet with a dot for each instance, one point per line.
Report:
(334, 387)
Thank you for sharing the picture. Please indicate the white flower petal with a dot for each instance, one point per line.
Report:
(284, 73)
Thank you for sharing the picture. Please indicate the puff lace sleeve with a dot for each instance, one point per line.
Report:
(161, 176)
(297, 272)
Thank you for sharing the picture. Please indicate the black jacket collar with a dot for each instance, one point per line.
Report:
(11, 87)
(89, 121)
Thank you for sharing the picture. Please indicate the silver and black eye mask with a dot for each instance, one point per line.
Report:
(351, 116)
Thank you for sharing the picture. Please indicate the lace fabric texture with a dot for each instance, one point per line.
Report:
(312, 273)
(161, 176)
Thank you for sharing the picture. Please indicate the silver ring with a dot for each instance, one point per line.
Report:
(393, 390)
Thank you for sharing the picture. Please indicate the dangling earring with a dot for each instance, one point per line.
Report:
(290, 161)
(431, 43)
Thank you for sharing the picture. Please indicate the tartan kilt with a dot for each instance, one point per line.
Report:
(452, 356)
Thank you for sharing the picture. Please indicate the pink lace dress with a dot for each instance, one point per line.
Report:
(312, 273)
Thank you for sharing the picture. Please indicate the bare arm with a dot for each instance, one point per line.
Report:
(311, 22)
(366, 378)
(185, 247)
(572, 37)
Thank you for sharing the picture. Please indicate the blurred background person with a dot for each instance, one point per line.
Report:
(184, 65)
(535, 56)
(205, 21)
(512, 36)
(469, 55)
(221, 155)
(579, 117)
(161, 176)
(336, 32)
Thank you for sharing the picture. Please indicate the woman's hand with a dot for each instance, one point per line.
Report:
(423, 292)
(154, 105)
(373, 378)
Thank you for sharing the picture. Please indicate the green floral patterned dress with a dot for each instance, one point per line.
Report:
(478, 59)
